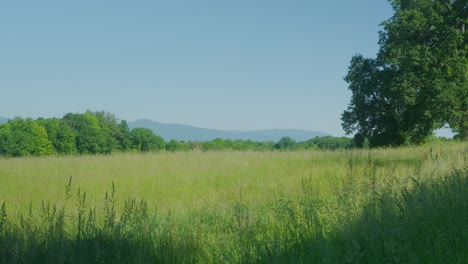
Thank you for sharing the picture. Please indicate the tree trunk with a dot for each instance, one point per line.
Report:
(464, 127)
(463, 133)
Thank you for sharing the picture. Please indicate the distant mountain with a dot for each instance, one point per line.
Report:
(192, 133)
(3, 120)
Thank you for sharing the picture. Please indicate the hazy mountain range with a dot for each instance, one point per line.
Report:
(192, 133)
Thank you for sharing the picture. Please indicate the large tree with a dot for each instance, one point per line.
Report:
(418, 81)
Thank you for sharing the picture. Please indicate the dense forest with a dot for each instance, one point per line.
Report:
(103, 133)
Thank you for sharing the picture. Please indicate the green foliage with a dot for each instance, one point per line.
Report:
(87, 133)
(216, 144)
(61, 136)
(326, 143)
(110, 131)
(286, 143)
(124, 136)
(361, 141)
(175, 145)
(24, 137)
(143, 139)
(103, 133)
(90, 138)
(5, 138)
(417, 82)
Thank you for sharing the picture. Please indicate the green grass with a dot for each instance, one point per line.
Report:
(378, 206)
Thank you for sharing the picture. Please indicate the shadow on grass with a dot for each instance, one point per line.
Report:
(428, 224)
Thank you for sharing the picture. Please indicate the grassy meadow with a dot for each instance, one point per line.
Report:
(405, 205)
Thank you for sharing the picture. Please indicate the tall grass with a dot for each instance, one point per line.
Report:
(407, 205)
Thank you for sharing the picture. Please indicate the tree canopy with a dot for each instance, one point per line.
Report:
(418, 81)
(144, 139)
(87, 133)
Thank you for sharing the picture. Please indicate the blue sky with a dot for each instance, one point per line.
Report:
(223, 64)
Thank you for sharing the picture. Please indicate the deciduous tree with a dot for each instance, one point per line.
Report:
(418, 81)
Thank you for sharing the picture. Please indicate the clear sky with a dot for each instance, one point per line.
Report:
(227, 64)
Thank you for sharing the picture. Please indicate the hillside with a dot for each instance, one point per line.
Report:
(192, 133)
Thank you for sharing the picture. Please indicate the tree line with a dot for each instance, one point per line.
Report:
(103, 133)
(87, 133)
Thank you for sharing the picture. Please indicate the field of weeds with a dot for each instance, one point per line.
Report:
(405, 205)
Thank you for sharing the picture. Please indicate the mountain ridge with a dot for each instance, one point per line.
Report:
(179, 132)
